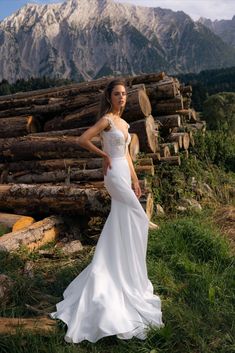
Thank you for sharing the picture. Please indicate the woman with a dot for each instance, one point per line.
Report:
(113, 295)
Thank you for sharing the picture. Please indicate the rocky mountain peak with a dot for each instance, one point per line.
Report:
(85, 39)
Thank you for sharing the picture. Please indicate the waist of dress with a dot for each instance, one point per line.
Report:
(118, 158)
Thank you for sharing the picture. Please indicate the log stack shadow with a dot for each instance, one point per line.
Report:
(43, 170)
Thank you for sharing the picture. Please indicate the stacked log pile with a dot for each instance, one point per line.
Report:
(44, 171)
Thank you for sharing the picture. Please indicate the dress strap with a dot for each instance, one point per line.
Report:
(111, 123)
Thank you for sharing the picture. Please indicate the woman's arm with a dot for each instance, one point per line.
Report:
(85, 141)
(134, 177)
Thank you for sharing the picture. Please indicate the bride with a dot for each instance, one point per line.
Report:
(113, 295)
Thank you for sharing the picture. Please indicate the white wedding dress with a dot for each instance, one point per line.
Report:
(113, 295)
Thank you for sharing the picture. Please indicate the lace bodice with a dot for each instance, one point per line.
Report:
(113, 141)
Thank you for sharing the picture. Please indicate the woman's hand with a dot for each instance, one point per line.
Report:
(106, 164)
(137, 189)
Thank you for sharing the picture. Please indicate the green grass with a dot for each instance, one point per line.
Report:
(4, 229)
(191, 268)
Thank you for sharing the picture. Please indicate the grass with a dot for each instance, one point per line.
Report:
(4, 229)
(191, 267)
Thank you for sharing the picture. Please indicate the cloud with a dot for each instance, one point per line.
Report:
(214, 9)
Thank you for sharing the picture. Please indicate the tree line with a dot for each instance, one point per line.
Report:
(31, 84)
(207, 83)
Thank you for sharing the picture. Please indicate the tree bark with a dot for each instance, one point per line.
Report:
(14, 220)
(74, 89)
(86, 114)
(30, 147)
(68, 132)
(167, 107)
(35, 235)
(164, 89)
(18, 126)
(168, 121)
(51, 165)
(172, 146)
(189, 115)
(134, 147)
(175, 136)
(45, 199)
(145, 129)
(155, 157)
(172, 160)
(164, 150)
(147, 203)
(185, 89)
(142, 170)
(10, 326)
(66, 176)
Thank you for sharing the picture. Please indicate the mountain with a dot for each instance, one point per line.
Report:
(82, 40)
(225, 29)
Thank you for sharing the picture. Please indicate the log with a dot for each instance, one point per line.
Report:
(49, 199)
(172, 160)
(93, 86)
(51, 165)
(177, 136)
(11, 326)
(10, 220)
(187, 102)
(144, 102)
(147, 203)
(84, 116)
(18, 126)
(145, 78)
(162, 90)
(137, 107)
(155, 157)
(145, 184)
(188, 130)
(199, 125)
(172, 146)
(67, 176)
(145, 129)
(22, 223)
(185, 89)
(167, 107)
(134, 147)
(30, 147)
(189, 115)
(142, 170)
(34, 236)
(68, 132)
(145, 161)
(168, 121)
(164, 150)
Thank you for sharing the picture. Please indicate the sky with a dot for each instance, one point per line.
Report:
(213, 9)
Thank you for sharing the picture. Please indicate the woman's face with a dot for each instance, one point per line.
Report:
(118, 97)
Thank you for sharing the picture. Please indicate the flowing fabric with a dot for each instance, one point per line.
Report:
(113, 295)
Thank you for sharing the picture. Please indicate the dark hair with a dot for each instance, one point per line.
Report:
(105, 100)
